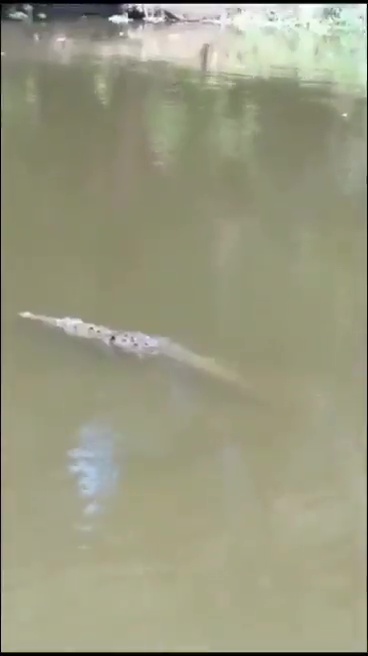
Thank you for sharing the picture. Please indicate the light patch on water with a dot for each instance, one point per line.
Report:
(93, 465)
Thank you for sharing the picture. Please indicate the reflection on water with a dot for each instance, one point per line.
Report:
(93, 465)
(230, 215)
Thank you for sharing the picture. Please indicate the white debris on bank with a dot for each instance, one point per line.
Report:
(119, 19)
(148, 13)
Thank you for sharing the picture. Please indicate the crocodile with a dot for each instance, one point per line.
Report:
(143, 346)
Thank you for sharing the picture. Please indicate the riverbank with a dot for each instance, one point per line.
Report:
(320, 16)
(338, 58)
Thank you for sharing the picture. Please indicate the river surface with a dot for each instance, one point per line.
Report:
(145, 506)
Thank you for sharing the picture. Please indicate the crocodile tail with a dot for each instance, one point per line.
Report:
(208, 366)
(222, 373)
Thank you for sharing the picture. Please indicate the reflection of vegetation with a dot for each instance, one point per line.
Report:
(230, 118)
(166, 121)
(223, 119)
(103, 84)
(19, 94)
(236, 142)
(340, 58)
(235, 136)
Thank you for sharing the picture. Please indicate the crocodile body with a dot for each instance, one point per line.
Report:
(141, 345)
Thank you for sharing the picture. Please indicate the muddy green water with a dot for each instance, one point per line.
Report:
(145, 507)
